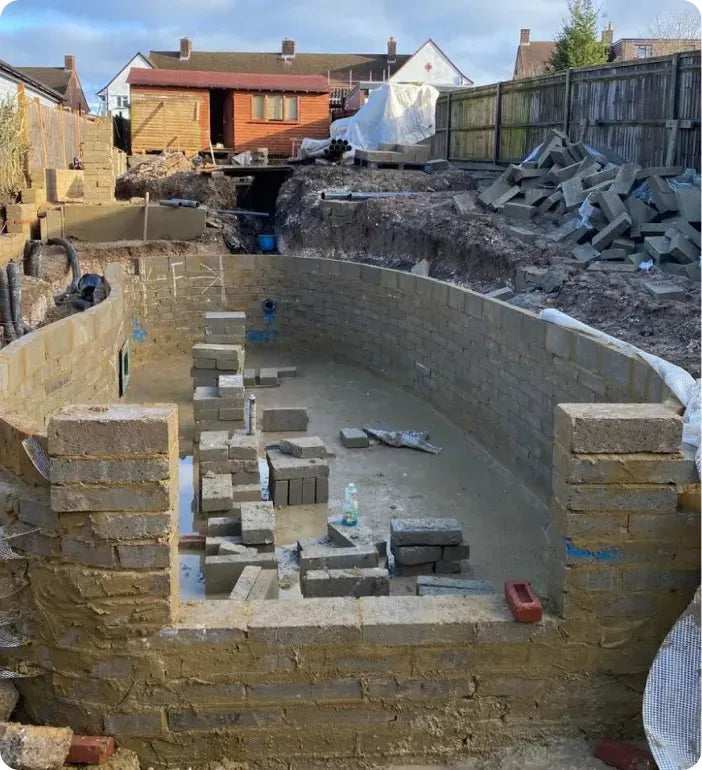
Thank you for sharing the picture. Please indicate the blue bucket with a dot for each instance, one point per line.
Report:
(267, 242)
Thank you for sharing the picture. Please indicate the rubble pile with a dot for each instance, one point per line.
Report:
(618, 216)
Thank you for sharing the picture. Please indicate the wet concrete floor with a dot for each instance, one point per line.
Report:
(503, 521)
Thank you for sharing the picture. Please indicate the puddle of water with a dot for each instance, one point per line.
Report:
(192, 580)
(186, 496)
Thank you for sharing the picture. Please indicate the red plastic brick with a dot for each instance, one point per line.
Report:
(523, 602)
(90, 749)
(623, 756)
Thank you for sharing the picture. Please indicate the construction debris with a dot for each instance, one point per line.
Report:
(609, 211)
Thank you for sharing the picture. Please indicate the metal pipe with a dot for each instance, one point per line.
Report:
(251, 416)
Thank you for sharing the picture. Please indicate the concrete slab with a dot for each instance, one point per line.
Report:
(354, 438)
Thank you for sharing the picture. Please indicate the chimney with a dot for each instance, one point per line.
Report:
(186, 48)
(288, 48)
(69, 63)
(524, 36)
(608, 35)
(392, 50)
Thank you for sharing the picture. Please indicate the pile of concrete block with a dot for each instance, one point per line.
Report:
(222, 351)
(98, 170)
(297, 480)
(220, 407)
(229, 470)
(612, 212)
(350, 562)
(268, 377)
(426, 546)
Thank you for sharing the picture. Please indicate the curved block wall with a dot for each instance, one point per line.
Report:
(492, 368)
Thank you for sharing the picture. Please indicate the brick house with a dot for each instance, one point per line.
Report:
(64, 80)
(533, 56)
(189, 109)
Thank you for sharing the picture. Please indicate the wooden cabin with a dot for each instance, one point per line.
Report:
(191, 110)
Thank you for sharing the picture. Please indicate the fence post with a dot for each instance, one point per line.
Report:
(448, 127)
(672, 123)
(566, 110)
(498, 117)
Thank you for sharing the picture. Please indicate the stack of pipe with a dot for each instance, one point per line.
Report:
(336, 150)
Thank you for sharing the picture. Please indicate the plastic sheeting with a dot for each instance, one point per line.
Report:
(683, 385)
(671, 703)
(395, 113)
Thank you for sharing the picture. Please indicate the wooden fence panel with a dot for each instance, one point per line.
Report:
(647, 111)
(54, 135)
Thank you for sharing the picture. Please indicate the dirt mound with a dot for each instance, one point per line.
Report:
(467, 245)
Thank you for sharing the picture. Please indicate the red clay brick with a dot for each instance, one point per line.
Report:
(522, 601)
(90, 749)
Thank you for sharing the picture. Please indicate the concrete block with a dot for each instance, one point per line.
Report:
(249, 378)
(425, 532)
(351, 537)
(625, 179)
(231, 543)
(354, 438)
(664, 198)
(504, 293)
(585, 254)
(266, 586)
(97, 431)
(217, 493)
(618, 428)
(268, 378)
(282, 419)
(286, 467)
(429, 585)
(663, 291)
(329, 557)
(455, 552)
(149, 557)
(607, 174)
(658, 246)
(689, 205)
(231, 386)
(130, 526)
(222, 572)
(242, 587)
(495, 191)
(611, 205)
(372, 581)
(295, 491)
(322, 489)
(568, 231)
(639, 212)
(242, 446)
(287, 371)
(663, 171)
(257, 523)
(624, 243)
(613, 255)
(573, 192)
(536, 195)
(309, 491)
(214, 445)
(682, 250)
(549, 203)
(304, 447)
(246, 493)
(279, 492)
(613, 230)
(159, 496)
(447, 567)
(510, 193)
(412, 570)
(519, 210)
(223, 526)
(416, 554)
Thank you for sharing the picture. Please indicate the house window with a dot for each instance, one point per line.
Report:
(275, 107)
(643, 51)
(122, 101)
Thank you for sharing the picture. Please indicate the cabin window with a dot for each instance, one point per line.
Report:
(644, 51)
(275, 107)
(258, 108)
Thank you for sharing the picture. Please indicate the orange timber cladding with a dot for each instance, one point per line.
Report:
(166, 118)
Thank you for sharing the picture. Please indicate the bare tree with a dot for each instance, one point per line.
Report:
(675, 31)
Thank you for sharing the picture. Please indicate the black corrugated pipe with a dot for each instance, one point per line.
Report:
(72, 255)
(6, 308)
(13, 275)
(33, 259)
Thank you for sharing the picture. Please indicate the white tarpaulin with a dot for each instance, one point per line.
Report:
(395, 113)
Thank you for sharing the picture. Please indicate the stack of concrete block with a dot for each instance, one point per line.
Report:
(258, 525)
(611, 211)
(228, 465)
(22, 219)
(254, 584)
(297, 480)
(211, 361)
(98, 171)
(221, 406)
(399, 155)
(268, 377)
(225, 328)
(426, 546)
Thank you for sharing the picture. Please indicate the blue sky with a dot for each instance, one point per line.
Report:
(480, 36)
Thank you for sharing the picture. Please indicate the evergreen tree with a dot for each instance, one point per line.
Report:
(578, 43)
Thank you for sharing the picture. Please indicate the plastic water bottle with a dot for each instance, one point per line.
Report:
(350, 517)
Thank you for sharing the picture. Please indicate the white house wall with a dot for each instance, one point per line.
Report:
(119, 87)
(8, 90)
(439, 71)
